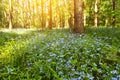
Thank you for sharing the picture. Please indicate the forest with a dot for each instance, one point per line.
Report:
(59, 40)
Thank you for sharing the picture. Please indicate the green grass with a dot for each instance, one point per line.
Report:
(60, 55)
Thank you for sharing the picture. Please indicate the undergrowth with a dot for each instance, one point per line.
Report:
(60, 55)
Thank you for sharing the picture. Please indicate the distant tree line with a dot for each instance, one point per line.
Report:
(75, 14)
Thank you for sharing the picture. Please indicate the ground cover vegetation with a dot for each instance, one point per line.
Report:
(60, 55)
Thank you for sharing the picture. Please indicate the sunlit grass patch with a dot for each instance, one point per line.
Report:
(18, 31)
(13, 44)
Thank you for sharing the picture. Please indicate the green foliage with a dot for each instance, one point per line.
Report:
(59, 55)
(30, 16)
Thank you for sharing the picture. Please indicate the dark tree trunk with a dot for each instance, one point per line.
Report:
(50, 12)
(114, 8)
(42, 14)
(78, 16)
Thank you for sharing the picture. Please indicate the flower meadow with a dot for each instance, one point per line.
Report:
(60, 55)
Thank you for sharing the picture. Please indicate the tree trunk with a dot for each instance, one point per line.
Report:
(29, 15)
(42, 14)
(113, 7)
(96, 14)
(10, 14)
(50, 12)
(78, 16)
(85, 19)
(84, 15)
(22, 13)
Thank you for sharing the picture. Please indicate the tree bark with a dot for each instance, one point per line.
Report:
(50, 13)
(114, 8)
(85, 22)
(10, 15)
(96, 14)
(29, 15)
(42, 13)
(78, 17)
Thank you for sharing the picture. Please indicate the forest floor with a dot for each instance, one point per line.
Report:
(60, 55)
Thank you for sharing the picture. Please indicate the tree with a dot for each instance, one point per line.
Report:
(42, 13)
(78, 17)
(50, 14)
(113, 8)
(10, 14)
(59, 13)
(96, 14)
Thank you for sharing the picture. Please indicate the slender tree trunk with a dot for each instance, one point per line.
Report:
(22, 13)
(63, 20)
(78, 16)
(96, 14)
(50, 13)
(33, 12)
(106, 22)
(10, 14)
(42, 15)
(29, 15)
(113, 7)
(84, 14)
(37, 13)
(85, 19)
(71, 23)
